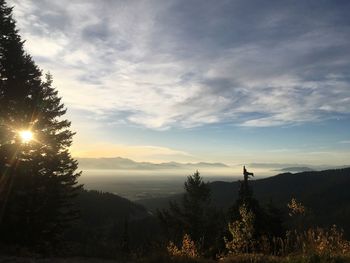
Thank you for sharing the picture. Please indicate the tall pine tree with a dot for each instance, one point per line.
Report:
(195, 216)
(38, 179)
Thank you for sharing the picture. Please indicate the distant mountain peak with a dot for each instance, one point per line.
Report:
(128, 164)
(296, 169)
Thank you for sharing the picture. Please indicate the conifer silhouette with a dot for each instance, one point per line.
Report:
(38, 179)
(195, 216)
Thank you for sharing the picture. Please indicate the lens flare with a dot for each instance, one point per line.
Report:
(26, 136)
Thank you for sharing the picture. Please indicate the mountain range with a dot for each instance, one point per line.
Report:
(120, 163)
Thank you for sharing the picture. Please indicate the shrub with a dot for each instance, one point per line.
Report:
(188, 248)
(242, 232)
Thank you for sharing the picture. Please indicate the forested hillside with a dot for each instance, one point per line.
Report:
(110, 224)
(325, 193)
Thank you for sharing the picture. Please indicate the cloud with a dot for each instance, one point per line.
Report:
(163, 64)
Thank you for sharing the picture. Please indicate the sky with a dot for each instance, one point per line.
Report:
(218, 81)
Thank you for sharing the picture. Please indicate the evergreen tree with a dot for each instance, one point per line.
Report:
(195, 201)
(268, 222)
(246, 199)
(125, 244)
(38, 179)
(274, 220)
(195, 216)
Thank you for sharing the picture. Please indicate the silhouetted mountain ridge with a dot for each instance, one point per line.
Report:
(105, 217)
(128, 164)
(282, 187)
(99, 207)
(296, 169)
(325, 193)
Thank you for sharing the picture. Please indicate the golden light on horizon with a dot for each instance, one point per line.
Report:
(26, 136)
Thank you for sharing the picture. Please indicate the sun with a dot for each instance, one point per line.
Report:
(26, 136)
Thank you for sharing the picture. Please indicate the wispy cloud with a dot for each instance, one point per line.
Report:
(162, 64)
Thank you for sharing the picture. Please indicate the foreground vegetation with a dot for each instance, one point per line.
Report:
(249, 241)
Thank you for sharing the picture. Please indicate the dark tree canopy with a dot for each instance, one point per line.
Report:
(267, 221)
(37, 179)
(195, 215)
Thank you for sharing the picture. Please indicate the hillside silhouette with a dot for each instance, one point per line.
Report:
(105, 219)
(326, 193)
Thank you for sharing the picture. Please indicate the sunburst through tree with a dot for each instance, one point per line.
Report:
(38, 176)
(26, 136)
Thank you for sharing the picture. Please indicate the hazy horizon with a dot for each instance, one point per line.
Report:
(266, 169)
